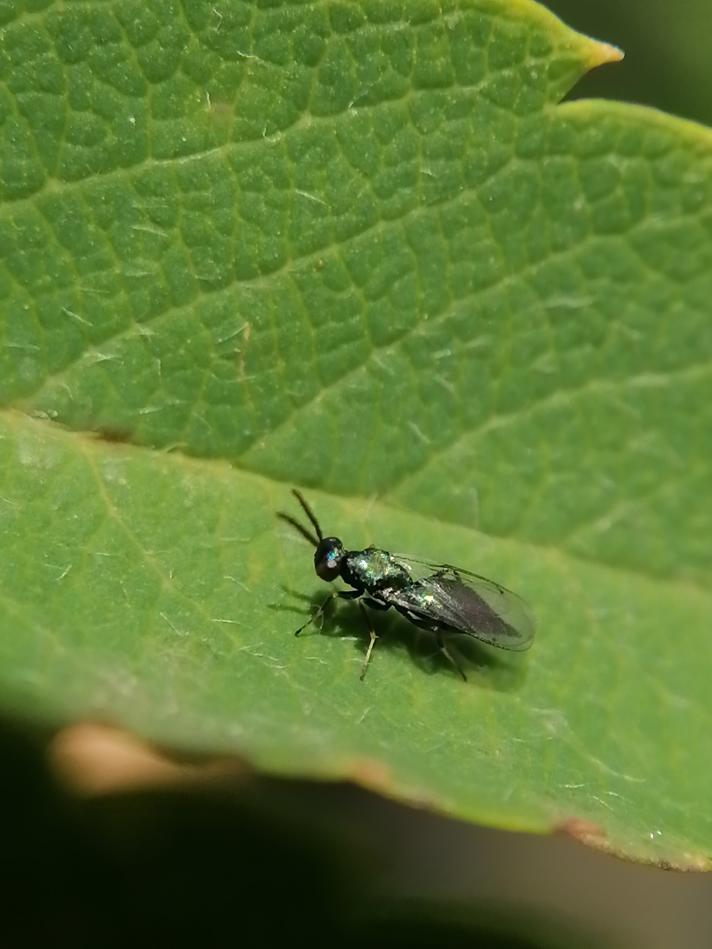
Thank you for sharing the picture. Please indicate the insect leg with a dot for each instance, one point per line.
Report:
(444, 650)
(372, 634)
(316, 614)
(432, 628)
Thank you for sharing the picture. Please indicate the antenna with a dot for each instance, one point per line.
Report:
(305, 532)
(309, 513)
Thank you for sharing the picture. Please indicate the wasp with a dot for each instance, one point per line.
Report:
(441, 598)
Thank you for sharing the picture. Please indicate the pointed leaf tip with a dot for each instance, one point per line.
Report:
(601, 54)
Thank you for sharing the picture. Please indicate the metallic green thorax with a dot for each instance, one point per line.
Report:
(372, 569)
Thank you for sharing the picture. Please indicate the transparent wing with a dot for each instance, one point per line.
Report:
(467, 602)
(426, 568)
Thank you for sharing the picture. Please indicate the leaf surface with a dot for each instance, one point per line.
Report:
(359, 248)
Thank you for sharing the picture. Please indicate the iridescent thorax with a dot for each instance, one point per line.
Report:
(374, 568)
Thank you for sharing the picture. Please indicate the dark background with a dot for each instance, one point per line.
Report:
(667, 46)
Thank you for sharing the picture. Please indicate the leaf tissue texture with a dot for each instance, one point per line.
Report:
(362, 248)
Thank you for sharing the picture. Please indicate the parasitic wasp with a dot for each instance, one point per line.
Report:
(444, 600)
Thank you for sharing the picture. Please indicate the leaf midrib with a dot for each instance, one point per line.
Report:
(91, 440)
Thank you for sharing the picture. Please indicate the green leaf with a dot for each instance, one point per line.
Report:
(359, 248)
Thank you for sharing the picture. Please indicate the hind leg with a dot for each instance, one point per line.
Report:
(432, 628)
(448, 655)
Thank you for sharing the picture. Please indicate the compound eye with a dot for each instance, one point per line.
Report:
(328, 564)
(328, 568)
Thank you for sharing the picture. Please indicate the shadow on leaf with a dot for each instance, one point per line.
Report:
(485, 666)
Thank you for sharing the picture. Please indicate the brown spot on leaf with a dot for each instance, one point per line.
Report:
(593, 835)
(97, 759)
(583, 830)
(371, 774)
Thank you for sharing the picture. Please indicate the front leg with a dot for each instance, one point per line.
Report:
(348, 594)
(318, 613)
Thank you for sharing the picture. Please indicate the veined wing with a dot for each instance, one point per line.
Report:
(468, 603)
(426, 568)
